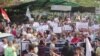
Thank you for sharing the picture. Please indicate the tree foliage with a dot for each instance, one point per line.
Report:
(4, 3)
(86, 3)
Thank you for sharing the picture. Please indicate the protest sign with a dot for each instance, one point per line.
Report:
(95, 27)
(53, 24)
(67, 27)
(82, 25)
(42, 28)
(57, 29)
(45, 27)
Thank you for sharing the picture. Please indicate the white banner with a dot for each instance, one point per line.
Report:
(67, 27)
(27, 0)
(61, 8)
(42, 28)
(80, 25)
(57, 29)
(95, 27)
(53, 24)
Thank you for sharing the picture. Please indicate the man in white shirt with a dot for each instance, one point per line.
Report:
(3, 45)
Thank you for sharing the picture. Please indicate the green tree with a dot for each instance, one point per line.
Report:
(86, 3)
(4, 3)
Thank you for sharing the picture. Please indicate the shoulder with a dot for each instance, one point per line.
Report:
(34, 54)
(52, 44)
(98, 48)
(31, 54)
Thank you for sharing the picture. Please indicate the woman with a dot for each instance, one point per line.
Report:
(78, 52)
(41, 48)
(53, 50)
(14, 32)
(9, 50)
(16, 46)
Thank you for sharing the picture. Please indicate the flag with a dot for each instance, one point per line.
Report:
(4, 14)
(88, 48)
(28, 14)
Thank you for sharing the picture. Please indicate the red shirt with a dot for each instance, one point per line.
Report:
(75, 40)
(14, 32)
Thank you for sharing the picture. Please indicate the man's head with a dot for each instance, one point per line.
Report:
(54, 39)
(31, 48)
(5, 41)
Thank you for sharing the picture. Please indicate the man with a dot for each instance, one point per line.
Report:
(98, 49)
(31, 51)
(3, 45)
(53, 50)
(67, 50)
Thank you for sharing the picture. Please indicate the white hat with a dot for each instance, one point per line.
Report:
(24, 33)
(29, 35)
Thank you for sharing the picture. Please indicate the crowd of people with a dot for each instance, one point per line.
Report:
(57, 37)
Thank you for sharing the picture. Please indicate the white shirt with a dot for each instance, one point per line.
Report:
(24, 45)
(36, 24)
(52, 46)
(92, 37)
(36, 50)
(48, 39)
(31, 54)
(29, 35)
(4, 45)
(69, 38)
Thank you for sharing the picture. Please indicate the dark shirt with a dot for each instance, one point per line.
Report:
(42, 50)
(67, 51)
